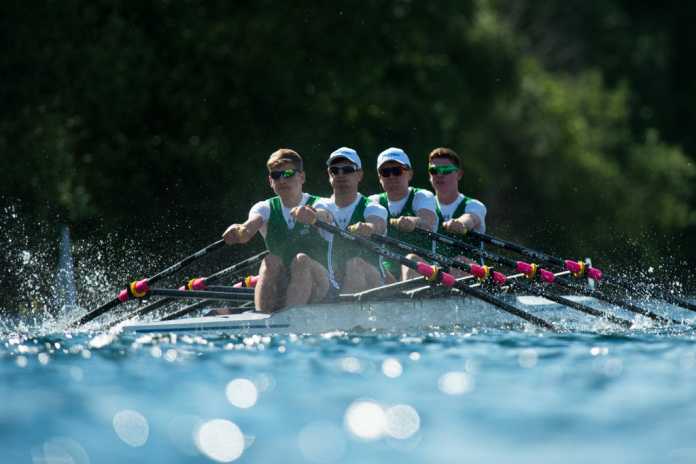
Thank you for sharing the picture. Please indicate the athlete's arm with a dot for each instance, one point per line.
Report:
(242, 233)
(462, 224)
(473, 218)
(309, 215)
(425, 218)
(372, 225)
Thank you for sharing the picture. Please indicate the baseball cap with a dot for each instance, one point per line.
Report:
(347, 153)
(393, 154)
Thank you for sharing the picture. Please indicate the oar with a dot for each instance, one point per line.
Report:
(578, 268)
(200, 283)
(483, 273)
(202, 304)
(138, 287)
(434, 274)
(529, 287)
(547, 276)
(210, 296)
(240, 294)
(186, 310)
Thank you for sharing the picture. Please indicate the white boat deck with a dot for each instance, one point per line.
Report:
(452, 312)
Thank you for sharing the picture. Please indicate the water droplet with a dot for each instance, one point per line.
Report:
(366, 420)
(391, 367)
(242, 393)
(131, 427)
(403, 421)
(455, 383)
(220, 440)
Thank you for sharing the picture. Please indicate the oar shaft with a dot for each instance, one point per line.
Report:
(234, 270)
(528, 287)
(186, 261)
(226, 295)
(97, 312)
(420, 267)
(577, 267)
(526, 268)
(566, 283)
(556, 261)
(186, 310)
(616, 301)
(534, 254)
(679, 301)
(487, 297)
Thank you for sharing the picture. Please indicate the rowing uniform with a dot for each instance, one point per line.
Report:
(341, 251)
(284, 237)
(416, 200)
(461, 205)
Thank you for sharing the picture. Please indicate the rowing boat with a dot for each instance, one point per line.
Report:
(484, 299)
(395, 315)
(412, 305)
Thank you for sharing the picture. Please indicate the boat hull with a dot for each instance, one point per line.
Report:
(401, 315)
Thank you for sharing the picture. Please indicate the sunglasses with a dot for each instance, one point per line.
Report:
(442, 169)
(286, 174)
(336, 170)
(395, 171)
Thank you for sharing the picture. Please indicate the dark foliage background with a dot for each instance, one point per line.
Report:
(154, 118)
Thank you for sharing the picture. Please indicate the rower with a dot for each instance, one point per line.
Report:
(457, 213)
(295, 249)
(409, 207)
(354, 269)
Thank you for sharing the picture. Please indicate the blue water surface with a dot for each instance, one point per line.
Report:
(479, 396)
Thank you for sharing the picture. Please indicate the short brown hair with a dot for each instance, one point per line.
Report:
(447, 153)
(283, 155)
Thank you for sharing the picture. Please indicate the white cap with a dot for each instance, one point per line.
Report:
(347, 153)
(393, 154)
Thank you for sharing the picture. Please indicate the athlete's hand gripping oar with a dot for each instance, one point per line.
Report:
(434, 274)
(547, 276)
(200, 283)
(140, 287)
(483, 273)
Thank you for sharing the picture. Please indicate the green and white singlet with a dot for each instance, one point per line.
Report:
(286, 242)
(340, 250)
(413, 238)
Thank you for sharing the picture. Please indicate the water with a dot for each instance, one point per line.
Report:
(492, 396)
(470, 396)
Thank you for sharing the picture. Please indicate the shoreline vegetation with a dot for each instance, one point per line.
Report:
(574, 121)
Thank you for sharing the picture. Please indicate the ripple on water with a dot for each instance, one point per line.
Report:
(103, 397)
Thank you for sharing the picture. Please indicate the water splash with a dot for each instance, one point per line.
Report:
(46, 278)
(66, 292)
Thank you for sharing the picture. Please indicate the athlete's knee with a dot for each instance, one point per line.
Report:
(413, 257)
(272, 264)
(301, 262)
(355, 264)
